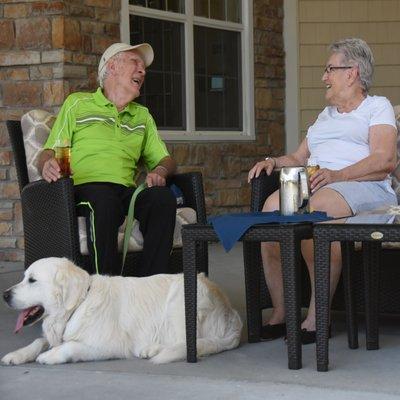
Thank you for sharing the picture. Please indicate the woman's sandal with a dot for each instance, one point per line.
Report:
(309, 337)
(271, 332)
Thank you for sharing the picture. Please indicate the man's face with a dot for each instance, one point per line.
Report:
(130, 72)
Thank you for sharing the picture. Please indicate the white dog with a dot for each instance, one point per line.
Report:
(99, 317)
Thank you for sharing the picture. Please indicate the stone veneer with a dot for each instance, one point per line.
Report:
(49, 49)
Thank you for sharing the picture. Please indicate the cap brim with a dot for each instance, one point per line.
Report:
(145, 51)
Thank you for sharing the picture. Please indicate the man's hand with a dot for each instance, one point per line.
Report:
(51, 170)
(157, 177)
(324, 176)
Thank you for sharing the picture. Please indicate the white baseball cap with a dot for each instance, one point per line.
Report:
(144, 49)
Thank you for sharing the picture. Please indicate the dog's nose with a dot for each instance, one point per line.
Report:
(7, 295)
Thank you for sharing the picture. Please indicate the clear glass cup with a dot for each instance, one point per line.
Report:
(63, 156)
(312, 166)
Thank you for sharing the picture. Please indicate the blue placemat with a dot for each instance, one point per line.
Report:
(231, 227)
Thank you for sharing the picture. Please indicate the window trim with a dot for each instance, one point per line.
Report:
(189, 19)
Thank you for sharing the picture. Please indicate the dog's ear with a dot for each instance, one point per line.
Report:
(73, 283)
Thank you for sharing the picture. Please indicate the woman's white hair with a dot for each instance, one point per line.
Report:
(105, 71)
(357, 52)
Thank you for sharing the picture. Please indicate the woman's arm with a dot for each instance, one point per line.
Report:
(381, 161)
(297, 158)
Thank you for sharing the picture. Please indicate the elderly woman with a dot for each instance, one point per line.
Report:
(354, 142)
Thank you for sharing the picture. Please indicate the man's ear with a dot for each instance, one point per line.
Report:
(73, 283)
(112, 66)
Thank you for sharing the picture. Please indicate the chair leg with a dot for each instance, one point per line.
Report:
(350, 306)
(190, 289)
(290, 256)
(252, 282)
(322, 256)
(371, 261)
(202, 257)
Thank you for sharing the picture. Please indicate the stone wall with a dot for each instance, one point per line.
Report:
(49, 49)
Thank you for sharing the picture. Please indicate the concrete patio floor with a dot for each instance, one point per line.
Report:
(253, 371)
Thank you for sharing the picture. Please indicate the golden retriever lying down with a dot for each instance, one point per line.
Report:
(99, 317)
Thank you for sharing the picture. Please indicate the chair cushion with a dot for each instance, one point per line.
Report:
(396, 172)
(184, 215)
(36, 126)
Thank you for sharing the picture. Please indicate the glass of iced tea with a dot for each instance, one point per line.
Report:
(312, 166)
(63, 156)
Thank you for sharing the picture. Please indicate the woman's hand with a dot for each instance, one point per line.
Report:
(268, 165)
(324, 176)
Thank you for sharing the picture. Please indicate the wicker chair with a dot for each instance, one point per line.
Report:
(389, 301)
(51, 224)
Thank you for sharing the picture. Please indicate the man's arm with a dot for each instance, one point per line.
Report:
(48, 166)
(165, 168)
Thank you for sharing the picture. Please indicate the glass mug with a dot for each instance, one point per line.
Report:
(312, 166)
(63, 156)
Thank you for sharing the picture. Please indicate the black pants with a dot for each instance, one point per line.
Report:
(105, 206)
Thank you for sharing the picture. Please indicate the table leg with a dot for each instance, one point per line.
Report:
(252, 282)
(290, 256)
(371, 260)
(350, 306)
(190, 285)
(322, 253)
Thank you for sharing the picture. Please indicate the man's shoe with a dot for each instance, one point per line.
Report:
(271, 332)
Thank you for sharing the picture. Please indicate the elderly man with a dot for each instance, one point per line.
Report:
(109, 133)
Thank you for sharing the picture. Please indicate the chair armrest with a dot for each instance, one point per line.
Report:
(191, 184)
(50, 222)
(262, 187)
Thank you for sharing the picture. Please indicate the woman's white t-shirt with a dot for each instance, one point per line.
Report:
(337, 140)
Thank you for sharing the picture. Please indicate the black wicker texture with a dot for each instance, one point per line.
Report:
(290, 236)
(17, 143)
(324, 234)
(349, 294)
(389, 291)
(322, 257)
(50, 222)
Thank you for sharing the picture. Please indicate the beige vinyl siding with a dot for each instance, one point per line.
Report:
(321, 22)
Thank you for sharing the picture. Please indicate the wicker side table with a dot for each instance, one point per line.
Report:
(289, 236)
(371, 236)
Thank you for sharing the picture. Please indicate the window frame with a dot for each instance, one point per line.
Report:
(188, 19)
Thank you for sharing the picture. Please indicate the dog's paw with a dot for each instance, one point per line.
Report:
(50, 357)
(14, 358)
(150, 351)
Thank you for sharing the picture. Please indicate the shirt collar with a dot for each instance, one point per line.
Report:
(102, 100)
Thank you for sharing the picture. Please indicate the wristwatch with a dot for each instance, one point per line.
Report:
(271, 158)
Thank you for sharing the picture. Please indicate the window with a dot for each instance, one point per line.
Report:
(200, 85)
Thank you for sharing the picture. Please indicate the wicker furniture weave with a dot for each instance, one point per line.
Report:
(49, 215)
(371, 236)
(389, 290)
(288, 234)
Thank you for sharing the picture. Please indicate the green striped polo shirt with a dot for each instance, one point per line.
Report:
(106, 145)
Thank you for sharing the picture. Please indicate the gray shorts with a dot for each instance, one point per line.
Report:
(365, 196)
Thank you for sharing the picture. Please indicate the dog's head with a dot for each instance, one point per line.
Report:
(50, 286)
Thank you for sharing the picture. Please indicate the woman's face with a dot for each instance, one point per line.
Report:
(336, 79)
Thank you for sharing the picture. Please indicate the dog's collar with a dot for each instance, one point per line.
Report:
(87, 291)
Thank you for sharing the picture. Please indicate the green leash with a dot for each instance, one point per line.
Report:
(129, 222)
